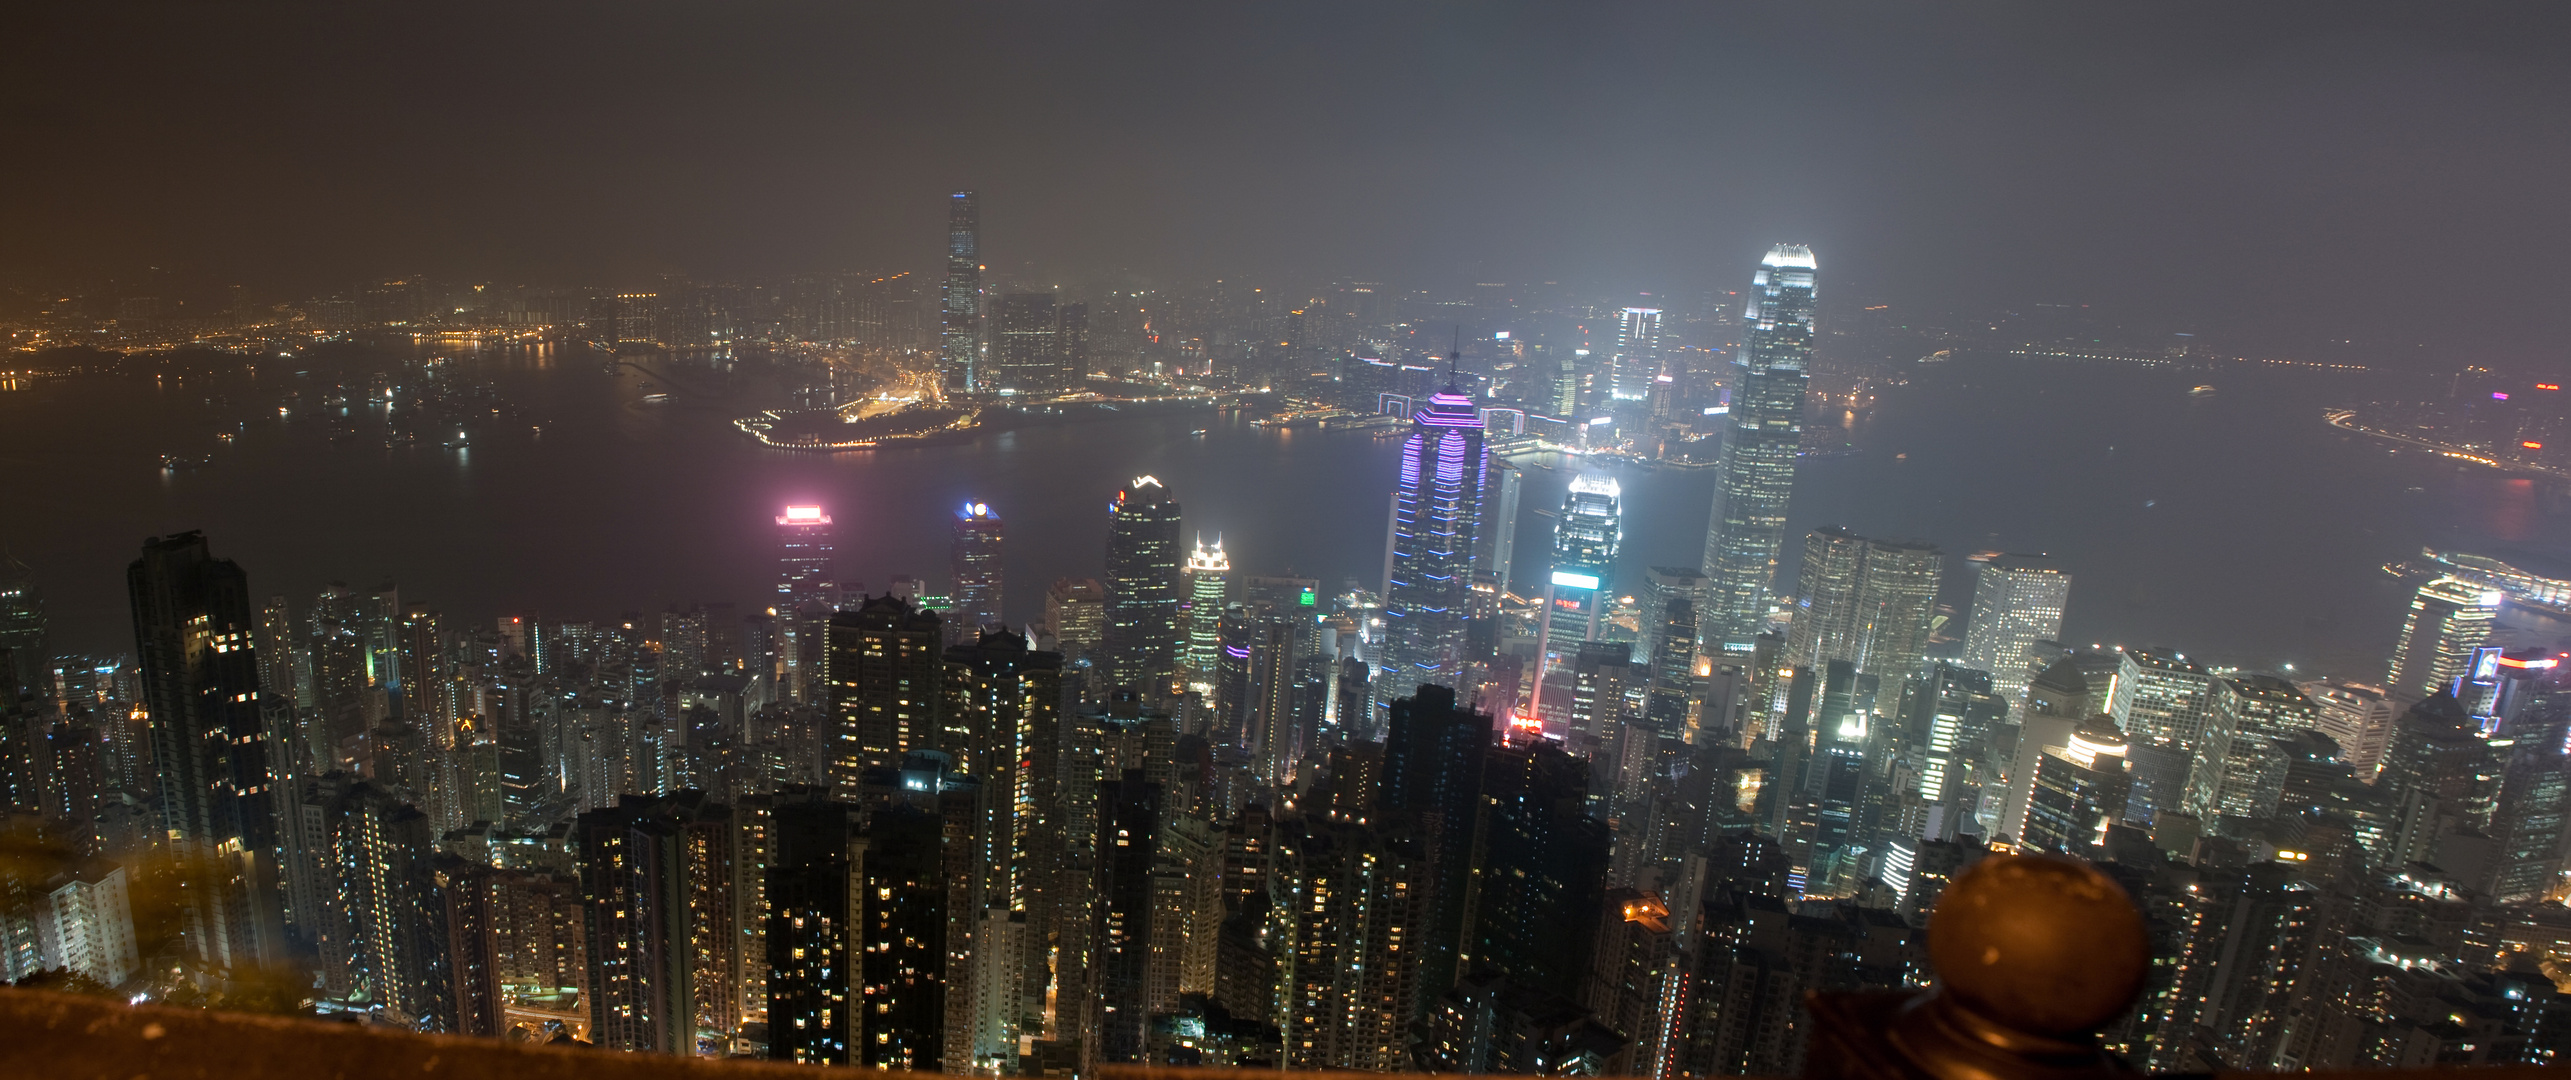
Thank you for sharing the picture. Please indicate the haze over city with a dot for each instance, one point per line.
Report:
(1043, 540)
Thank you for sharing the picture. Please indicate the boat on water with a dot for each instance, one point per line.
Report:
(1197, 434)
(174, 462)
(2201, 391)
(656, 399)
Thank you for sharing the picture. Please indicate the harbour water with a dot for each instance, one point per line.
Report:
(2235, 525)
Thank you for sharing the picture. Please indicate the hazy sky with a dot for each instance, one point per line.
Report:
(2288, 171)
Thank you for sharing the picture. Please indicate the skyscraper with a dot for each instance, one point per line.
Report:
(194, 632)
(1209, 574)
(1868, 602)
(1436, 515)
(803, 568)
(1637, 358)
(23, 661)
(1145, 563)
(2448, 617)
(2017, 601)
(959, 343)
(1755, 475)
(1586, 540)
(976, 604)
(1028, 353)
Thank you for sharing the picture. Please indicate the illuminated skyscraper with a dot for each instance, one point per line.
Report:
(959, 348)
(2448, 618)
(1028, 352)
(1209, 574)
(194, 632)
(1586, 539)
(976, 604)
(1436, 515)
(1755, 476)
(1145, 563)
(882, 681)
(2017, 601)
(1637, 358)
(22, 630)
(803, 577)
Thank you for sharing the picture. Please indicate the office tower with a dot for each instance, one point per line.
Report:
(2017, 601)
(22, 629)
(386, 943)
(1027, 353)
(1258, 678)
(2440, 778)
(1868, 602)
(959, 343)
(1072, 347)
(2079, 790)
(2161, 702)
(2242, 754)
(1586, 539)
(1436, 511)
(194, 630)
(2448, 618)
(1754, 478)
(803, 568)
(1145, 590)
(976, 604)
(1075, 611)
(1500, 522)
(1209, 574)
(1954, 713)
(880, 677)
(2357, 716)
(1637, 357)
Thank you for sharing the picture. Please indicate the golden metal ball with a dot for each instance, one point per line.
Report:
(2044, 944)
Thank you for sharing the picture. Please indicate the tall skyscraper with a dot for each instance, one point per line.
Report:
(2017, 601)
(1209, 575)
(1586, 540)
(1436, 515)
(959, 344)
(803, 568)
(1076, 611)
(194, 632)
(1755, 475)
(2448, 617)
(1145, 564)
(976, 604)
(1637, 358)
(1864, 601)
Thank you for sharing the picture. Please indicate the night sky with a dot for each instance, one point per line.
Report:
(2285, 173)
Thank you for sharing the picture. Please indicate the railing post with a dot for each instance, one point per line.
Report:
(2033, 954)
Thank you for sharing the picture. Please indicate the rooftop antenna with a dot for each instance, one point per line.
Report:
(1454, 354)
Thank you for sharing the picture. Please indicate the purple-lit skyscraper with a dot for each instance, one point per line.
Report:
(1436, 515)
(976, 605)
(803, 569)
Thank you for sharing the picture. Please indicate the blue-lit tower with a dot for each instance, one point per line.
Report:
(1436, 516)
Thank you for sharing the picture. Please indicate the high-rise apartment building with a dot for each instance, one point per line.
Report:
(2448, 618)
(1209, 574)
(1436, 516)
(1755, 476)
(2017, 601)
(1145, 587)
(975, 606)
(195, 629)
(959, 343)
(2357, 716)
(1864, 601)
(880, 676)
